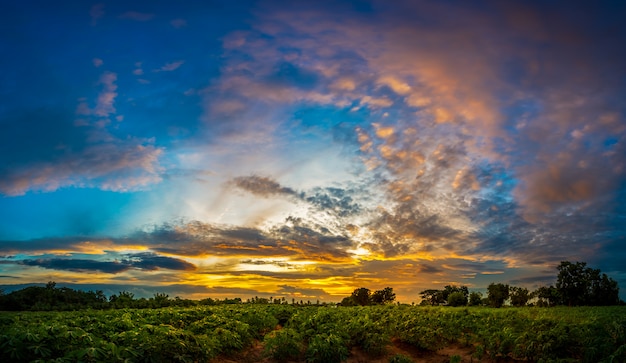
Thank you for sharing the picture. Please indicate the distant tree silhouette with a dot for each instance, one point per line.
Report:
(457, 299)
(432, 297)
(383, 296)
(475, 298)
(497, 294)
(546, 296)
(441, 297)
(519, 295)
(362, 296)
(578, 284)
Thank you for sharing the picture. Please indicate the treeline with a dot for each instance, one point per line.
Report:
(50, 297)
(364, 296)
(577, 285)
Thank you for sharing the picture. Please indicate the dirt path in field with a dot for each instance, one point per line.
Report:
(254, 354)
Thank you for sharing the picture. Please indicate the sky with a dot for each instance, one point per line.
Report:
(303, 149)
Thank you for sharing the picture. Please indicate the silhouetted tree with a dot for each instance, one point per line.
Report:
(546, 296)
(383, 296)
(432, 297)
(475, 298)
(519, 295)
(450, 289)
(348, 301)
(440, 297)
(160, 300)
(497, 294)
(361, 296)
(457, 298)
(581, 285)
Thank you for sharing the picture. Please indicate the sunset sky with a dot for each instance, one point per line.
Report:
(302, 149)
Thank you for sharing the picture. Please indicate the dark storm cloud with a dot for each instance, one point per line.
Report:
(78, 265)
(39, 244)
(141, 261)
(152, 261)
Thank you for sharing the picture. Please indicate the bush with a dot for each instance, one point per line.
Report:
(457, 299)
(326, 348)
(283, 345)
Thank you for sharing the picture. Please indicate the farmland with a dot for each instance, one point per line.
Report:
(280, 332)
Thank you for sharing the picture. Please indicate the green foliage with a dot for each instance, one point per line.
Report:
(326, 348)
(581, 285)
(457, 299)
(383, 296)
(519, 295)
(361, 296)
(282, 345)
(440, 297)
(497, 294)
(432, 297)
(53, 298)
(475, 299)
(348, 301)
(369, 332)
(547, 296)
(317, 334)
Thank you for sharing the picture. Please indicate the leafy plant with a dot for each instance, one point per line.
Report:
(326, 348)
(283, 344)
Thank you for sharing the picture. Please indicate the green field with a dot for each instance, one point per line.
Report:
(314, 334)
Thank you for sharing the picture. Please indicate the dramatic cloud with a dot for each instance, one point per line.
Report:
(299, 151)
(118, 166)
(79, 153)
(142, 261)
(78, 265)
(261, 186)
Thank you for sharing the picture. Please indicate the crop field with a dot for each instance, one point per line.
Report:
(287, 333)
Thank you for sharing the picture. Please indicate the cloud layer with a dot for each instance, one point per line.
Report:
(303, 151)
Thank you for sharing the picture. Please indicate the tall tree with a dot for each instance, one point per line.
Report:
(497, 294)
(457, 298)
(384, 296)
(432, 297)
(450, 289)
(519, 295)
(578, 284)
(475, 298)
(362, 296)
(547, 296)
